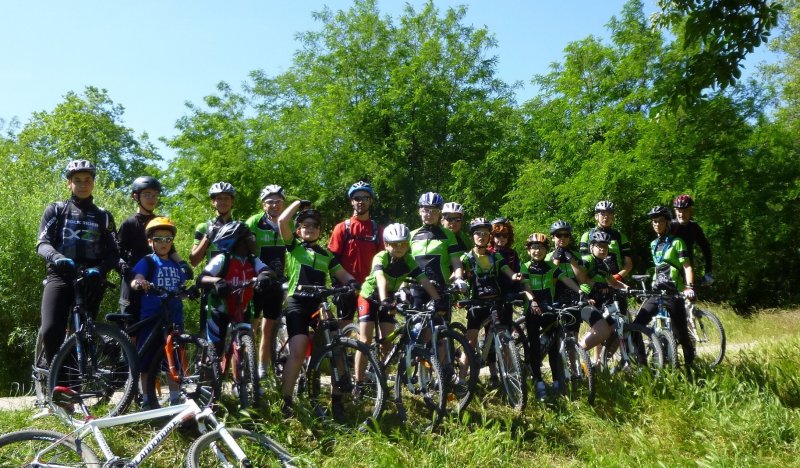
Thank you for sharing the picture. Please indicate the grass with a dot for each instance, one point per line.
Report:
(744, 413)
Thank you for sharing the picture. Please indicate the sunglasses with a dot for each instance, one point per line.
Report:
(562, 235)
(397, 245)
(362, 199)
(453, 219)
(163, 240)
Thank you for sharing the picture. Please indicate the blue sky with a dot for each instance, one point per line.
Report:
(153, 56)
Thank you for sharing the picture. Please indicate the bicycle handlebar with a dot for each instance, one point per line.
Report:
(322, 291)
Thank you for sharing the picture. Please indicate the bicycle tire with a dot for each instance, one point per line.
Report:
(280, 349)
(201, 378)
(669, 346)
(248, 386)
(423, 381)
(576, 375)
(262, 451)
(459, 327)
(520, 335)
(20, 448)
(41, 371)
(459, 394)
(653, 358)
(709, 336)
(512, 373)
(351, 330)
(330, 373)
(112, 377)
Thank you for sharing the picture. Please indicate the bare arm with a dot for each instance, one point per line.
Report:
(285, 221)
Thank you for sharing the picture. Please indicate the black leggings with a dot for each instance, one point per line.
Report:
(534, 325)
(57, 298)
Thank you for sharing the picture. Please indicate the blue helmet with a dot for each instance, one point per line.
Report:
(431, 199)
(360, 185)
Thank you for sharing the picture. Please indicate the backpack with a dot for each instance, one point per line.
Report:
(486, 286)
(373, 238)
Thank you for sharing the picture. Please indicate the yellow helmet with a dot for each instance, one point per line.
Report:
(160, 222)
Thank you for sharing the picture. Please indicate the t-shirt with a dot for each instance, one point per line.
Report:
(132, 240)
(598, 271)
(669, 253)
(690, 233)
(309, 264)
(395, 270)
(433, 247)
(483, 273)
(355, 252)
(542, 277)
(618, 248)
(164, 273)
(269, 243)
(240, 270)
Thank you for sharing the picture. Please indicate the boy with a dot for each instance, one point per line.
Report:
(306, 264)
(685, 227)
(222, 195)
(453, 219)
(158, 269)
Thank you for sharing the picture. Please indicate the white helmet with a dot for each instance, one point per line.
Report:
(396, 233)
(452, 207)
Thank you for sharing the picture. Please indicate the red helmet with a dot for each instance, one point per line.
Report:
(683, 201)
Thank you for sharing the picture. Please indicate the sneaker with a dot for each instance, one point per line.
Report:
(557, 387)
(287, 408)
(541, 390)
(262, 372)
(337, 409)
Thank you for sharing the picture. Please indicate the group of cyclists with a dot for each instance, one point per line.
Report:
(279, 248)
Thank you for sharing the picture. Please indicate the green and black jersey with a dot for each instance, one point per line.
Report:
(200, 232)
(669, 253)
(309, 265)
(483, 272)
(618, 249)
(269, 243)
(395, 270)
(542, 277)
(433, 247)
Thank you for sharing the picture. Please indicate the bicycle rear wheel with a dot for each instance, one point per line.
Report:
(333, 390)
(22, 447)
(246, 381)
(211, 450)
(650, 356)
(110, 370)
(708, 335)
(512, 371)
(459, 367)
(669, 346)
(196, 372)
(576, 374)
(419, 380)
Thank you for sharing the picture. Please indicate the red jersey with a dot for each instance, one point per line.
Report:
(356, 248)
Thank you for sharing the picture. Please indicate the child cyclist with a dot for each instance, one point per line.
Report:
(390, 268)
(685, 227)
(453, 219)
(158, 269)
(227, 271)
(307, 263)
(673, 273)
(539, 285)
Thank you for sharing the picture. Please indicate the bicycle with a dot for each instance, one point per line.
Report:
(499, 341)
(619, 353)
(218, 444)
(707, 333)
(661, 322)
(574, 372)
(328, 375)
(187, 362)
(96, 359)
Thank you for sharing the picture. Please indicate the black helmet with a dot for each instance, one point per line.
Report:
(144, 183)
(479, 223)
(560, 225)
(600, 237)
(221, 187)
(79, 165)
(657, 211)
(229, 234)
(308, 213)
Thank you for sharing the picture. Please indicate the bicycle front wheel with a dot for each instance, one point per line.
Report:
(576, 374)
(419, 376)
(708, 335)
(512, 371)
(44, 448)
(108, 375)
(669, 346)
(333, 390)
(195, 372)
(247, 385)
(640, 349)
(211, 450)
(460, 369)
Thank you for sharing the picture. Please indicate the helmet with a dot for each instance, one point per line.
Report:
(309, 213)
(453, 207)
(657, 211)
(229, 234)
(560, 225)
(431, 199)
(600, 237)
(500, 220)
(683, 201)
(537, 238)
(144, 183)
(360, 185)
(272, 190)
(396, 233)
(604, 205)
(79, 165)
(221, 187)
(160, 222)
(479, 223)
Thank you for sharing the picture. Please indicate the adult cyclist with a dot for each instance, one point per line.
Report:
(75, 235)
(453, 219)
(222, 195)
(685, 227)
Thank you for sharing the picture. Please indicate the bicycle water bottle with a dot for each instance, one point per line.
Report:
(415, 330)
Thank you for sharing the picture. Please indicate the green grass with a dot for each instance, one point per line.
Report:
(743, 413)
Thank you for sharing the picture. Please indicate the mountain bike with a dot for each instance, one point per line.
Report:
(661, 322)
(707, 333)
(328, 374)
(218, 445)
(177, 360)
(574, 372)
(96, 360)
(240, 352)
(619, 353)
(498, 344)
